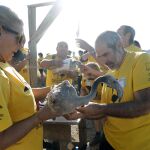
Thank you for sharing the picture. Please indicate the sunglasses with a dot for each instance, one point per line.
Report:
(19, 37)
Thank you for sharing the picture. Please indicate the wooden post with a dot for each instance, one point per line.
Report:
(32, 47)
(36, 35)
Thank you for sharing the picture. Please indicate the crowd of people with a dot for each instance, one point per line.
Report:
(119, 125)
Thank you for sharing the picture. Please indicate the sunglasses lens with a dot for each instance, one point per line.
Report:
(19, 39)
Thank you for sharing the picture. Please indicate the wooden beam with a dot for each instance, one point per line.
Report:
(47, 21)
(32, 47)
(41, 4)
(36, 35)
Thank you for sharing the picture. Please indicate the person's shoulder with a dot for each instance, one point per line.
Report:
(142, 56)
(133, 48)
(2, 74)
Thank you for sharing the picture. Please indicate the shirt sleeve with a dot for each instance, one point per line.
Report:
(5, 119)
(141, 73)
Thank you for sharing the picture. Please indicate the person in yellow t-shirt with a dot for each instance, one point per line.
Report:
(127, 121)
(89, 55)
(20, 122)
(87, 81)
(56, 61)
(127, 34)
(41, 70)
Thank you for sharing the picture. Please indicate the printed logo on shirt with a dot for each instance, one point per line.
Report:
(122, 82)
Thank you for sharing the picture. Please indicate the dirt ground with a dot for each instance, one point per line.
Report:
(90, 133)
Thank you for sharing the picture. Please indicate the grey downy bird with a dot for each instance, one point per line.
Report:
(63, 97)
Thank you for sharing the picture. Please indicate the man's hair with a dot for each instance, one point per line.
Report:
(93, 65)
(111, 39)
(10, 19)
(62, 43)
(129, 29)
(137, 43)
(40, 54)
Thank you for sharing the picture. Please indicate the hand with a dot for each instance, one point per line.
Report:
(92, 110)
(86, 69)
(73, 116)
(45, 113)
(84, 57)
(84, 45)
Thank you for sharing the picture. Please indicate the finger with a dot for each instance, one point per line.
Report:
(66, 116)
(81, 109)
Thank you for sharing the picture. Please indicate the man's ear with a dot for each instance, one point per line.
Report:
(119, 45)
(128, 35)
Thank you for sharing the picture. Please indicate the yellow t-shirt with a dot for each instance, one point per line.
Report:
(25, 70)
(54, 78)
(91, 59)
(39, 61)
(25, 73)
(17, 103)
(129, 134)
(133, 48)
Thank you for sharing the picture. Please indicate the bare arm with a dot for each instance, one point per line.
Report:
(86, 69)
(84, 45)
(69, 73)
(50, 64)
(139, 106)
(18, 130)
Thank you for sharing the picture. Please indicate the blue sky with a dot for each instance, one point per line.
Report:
(94, 16)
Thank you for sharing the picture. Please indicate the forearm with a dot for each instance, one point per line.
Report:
(97, 73)
(17, 131)
(48, 64)
(95, 117)
(72, 74)
(40, 93)
(129, 109)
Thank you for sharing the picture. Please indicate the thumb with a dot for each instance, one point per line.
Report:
(81, 109)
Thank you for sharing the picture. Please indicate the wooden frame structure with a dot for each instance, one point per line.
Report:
(36, 35)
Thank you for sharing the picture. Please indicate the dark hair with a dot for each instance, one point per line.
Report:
(40, 54)
(129, 29)
(10, 19)
(136, 43)
(62, 43)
